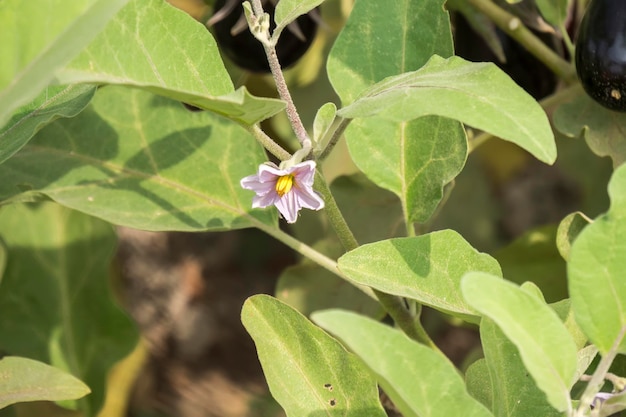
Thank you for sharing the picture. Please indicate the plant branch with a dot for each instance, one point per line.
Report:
(281, 84)
(516, 30)
(268, 143)
(598, 377)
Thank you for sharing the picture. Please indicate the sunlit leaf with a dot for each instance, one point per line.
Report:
(569, 229)
(478, 94)
(420, 381)
(55, 302)
(309, 373)
(152, 45)
(289, 10)
(28, 380)
(413, 159)
(545, 346)
(426, 268)
(40, 36)
(515, 393)
(143, 161)
(595, 273)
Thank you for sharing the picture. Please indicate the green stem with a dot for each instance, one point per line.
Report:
(337, 133)
(268, 143)
(597, 379)
(561, 96)
(337, 221)
(512, 25)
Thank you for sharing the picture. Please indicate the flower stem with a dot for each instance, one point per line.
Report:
(516, 30)
(268, 143)
(281, 85)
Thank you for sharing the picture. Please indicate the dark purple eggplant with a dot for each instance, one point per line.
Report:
(601, 53)
(235, 40)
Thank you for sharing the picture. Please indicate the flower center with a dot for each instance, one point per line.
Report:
(284, 184)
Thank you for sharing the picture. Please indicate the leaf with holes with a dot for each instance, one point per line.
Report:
(309, 373)
(419, 381)
(142, 161)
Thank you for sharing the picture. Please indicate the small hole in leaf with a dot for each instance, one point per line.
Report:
(329, 387)
(332, 402)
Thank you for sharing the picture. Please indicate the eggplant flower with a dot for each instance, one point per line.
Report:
(288, 189)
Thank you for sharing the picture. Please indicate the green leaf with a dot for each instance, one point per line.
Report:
(595, 271)
(478, 382)
(514, 391)
(52, 103)
(534, 257)
(142, 161)
(375, 213)
(308, 288)
(28, 380)
(426, 268)
(308, 372)
(554, 11)
(55, 304)
(419, 381)
(478, 94)
(565, 312)
(602, 129)
(545, 346)
(422, 156)
(324, 119)
(414, 159)
(40, 37)
(289, 10)
(152, 45)
(569, 229)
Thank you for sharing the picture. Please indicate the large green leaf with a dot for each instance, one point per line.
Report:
(545, 346)
(478, 94)
(426, 268)
(143, 161)
(515, 393)
(309, 373)
(40, 36)
(420, 381)
(603, 129)
(413, 159)
(52, 103)
(155, 46)
(596, 272)
(55, 301)
(28, 380)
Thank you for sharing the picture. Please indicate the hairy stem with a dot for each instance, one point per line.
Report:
(281, 85)
(516, 30)
(268, 143)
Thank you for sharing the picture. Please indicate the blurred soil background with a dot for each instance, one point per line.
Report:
(186, 290)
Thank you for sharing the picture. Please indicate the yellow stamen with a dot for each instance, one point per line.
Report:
(284, 184)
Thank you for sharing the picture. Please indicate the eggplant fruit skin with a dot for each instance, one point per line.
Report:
(248, 53)
(601, 53)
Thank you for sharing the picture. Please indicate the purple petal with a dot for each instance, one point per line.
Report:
(304, 172)
(308, 198)
(288, 205)
(265, 200)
